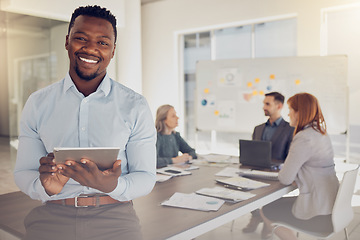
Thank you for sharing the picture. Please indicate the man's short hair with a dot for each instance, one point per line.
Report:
(94, 11)
(277, 96)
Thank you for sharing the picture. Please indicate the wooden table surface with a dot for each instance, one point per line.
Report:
(157, 222)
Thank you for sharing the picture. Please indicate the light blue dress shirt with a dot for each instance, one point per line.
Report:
(60, 116)
(270, 129)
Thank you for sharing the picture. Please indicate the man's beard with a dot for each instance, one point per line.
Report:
(85, 77)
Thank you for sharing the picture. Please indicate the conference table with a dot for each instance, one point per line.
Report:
(161, 222)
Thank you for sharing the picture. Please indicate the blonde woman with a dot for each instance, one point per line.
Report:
(169, 142)
(310, 163)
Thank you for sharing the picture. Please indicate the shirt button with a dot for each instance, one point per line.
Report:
(83, 128)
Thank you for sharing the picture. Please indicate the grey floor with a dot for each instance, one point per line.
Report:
(224, 232)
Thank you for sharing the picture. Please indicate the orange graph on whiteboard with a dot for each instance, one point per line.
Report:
(249, 84)
(297, 81)
(216, 112)
(206, 90)
(272, 76)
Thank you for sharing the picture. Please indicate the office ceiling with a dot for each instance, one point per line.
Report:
(14, 20)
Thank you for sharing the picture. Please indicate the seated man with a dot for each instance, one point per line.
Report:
(280, 133)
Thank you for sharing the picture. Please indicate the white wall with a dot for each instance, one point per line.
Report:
(161, 20)
(343, 36)
(128, 47)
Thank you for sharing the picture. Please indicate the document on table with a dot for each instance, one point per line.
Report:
(226, 194)
(242, 183)
(185, 166)
(228, 172)
(259, 174)
(162, 177)
(193, 201)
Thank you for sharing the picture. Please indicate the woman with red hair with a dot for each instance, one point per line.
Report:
(310, 163)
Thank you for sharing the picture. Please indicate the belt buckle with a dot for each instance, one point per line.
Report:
(76, 201)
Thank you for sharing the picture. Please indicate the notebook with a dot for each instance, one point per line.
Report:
(256, 153)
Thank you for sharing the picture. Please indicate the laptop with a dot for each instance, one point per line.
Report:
(255, 153)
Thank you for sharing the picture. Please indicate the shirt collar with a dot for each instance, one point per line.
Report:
(104, 86)
(276, 123)
(68, 83)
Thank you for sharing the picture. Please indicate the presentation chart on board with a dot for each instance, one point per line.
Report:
(230, 93)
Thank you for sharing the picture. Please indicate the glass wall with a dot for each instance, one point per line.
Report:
(233, 42)
(35, 58)
(275, 39)
(197, 47)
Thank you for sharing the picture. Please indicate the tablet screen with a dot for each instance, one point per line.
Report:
(104, 157)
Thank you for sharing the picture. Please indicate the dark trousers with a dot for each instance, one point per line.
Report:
(107, 222)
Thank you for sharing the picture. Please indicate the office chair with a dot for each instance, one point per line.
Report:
(342, 213)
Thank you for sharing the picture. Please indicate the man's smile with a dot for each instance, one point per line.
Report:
(87, 60)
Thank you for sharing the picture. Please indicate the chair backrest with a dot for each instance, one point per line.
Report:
(342, 213)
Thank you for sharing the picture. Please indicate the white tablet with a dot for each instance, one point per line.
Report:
(104, 157)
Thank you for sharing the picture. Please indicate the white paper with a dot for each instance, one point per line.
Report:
(228, 172)
(225, 193)
(259, 174)
(162, 177)
(185, 166)
(242, 182)
(193, 201)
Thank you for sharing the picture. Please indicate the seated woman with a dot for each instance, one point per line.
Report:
(310, 163)
(169, 142)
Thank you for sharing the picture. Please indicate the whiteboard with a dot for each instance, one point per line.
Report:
(230, 93)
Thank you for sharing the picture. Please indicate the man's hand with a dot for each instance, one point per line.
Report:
(88, 174)
(52, 181)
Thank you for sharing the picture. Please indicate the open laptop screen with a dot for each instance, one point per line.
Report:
(255, 153)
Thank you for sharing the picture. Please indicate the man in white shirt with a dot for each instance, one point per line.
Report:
(86, 109)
